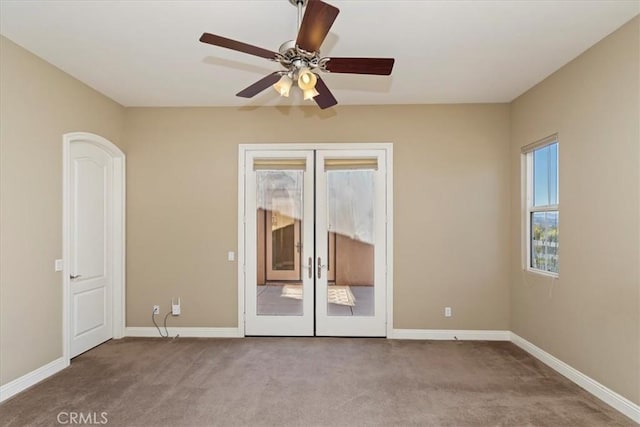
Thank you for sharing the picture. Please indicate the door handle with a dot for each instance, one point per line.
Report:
(73, 277)
(310, 267)
(320, 267)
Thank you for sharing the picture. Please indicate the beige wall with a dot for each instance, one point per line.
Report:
(590, 317)
(451, 206)
(354, 261)
(38, 104)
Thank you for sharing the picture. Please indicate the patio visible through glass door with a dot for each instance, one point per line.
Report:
(351, 235)
(315, 242)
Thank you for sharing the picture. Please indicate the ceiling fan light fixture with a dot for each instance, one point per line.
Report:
(283, 85)
(306, 79)
(310, 93)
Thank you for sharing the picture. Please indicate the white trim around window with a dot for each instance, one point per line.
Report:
(549, 256)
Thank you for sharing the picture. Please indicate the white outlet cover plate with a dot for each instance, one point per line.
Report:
(58, 265)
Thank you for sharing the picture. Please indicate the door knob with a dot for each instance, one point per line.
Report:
(73, 277)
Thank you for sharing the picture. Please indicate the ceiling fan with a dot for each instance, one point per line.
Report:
(301, 57)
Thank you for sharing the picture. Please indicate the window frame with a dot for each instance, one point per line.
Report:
(528, 207)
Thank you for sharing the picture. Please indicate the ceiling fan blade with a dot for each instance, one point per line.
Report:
(236, 45)
(259, 86)
(325, 98)
(378, 66)
(318, 19)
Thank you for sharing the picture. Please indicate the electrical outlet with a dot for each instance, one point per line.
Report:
(447, 312)
(156, 309)
(175, 307)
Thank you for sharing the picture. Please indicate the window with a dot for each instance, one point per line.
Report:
(542, 209)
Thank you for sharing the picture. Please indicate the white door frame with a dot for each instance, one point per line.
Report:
(118, 234)
(243, 148)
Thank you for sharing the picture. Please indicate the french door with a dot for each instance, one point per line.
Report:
(315, 242)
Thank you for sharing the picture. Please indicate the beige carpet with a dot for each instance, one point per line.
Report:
(309, 382)
(340, 295)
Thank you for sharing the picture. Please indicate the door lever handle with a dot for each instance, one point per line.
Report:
(73, 277)
(320, 267)
(310, 267)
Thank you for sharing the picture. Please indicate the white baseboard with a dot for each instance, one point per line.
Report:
(449, 334)
(151, 332)
(603, 393)
(32, 378)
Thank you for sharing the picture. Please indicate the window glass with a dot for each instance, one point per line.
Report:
(545, 175)
(553, 174)
(542, 209)
(544, 241)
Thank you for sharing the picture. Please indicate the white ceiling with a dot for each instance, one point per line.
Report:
(147, 53)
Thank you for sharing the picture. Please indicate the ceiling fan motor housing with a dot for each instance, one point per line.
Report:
(293, 58)
(286, 46)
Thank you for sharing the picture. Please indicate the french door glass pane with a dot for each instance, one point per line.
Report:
(544, 241)
(350, 271)
(279, 215)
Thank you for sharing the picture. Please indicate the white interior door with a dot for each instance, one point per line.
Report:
(338, 200)
(91, 222)
(283, 242)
